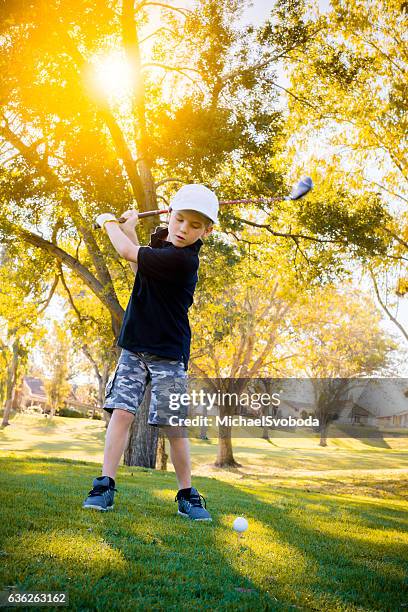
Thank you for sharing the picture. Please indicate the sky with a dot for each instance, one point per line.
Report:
(258, 12)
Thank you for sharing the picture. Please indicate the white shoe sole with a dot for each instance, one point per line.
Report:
(98, 508)
(184, 515)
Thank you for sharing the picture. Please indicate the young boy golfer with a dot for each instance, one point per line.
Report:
(155, 336)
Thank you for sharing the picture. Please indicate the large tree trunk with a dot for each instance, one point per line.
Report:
(225, 456)
(161, 460)
(11, 383)
(53, 409)
(142, 445)
(323, 435)
(2, 394)
(7, 410)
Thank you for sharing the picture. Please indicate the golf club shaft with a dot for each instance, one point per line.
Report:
(147, 213)
(150, 213)
(302, 188)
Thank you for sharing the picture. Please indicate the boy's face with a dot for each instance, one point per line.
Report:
(186, 227)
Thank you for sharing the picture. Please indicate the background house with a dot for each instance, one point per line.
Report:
(381, 402)
(32, 394)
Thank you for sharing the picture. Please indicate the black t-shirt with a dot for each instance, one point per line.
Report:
(156, 317)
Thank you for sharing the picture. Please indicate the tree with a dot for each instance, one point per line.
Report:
(19, 314)
(56, 354)
(349, 93)
(69, 152)
(338, 337)
(242, 332)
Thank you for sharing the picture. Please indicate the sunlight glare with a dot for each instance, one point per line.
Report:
(113, 75)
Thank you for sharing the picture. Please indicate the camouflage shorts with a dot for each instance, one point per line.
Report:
(127, 386)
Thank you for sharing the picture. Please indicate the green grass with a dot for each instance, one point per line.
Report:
(328, 527)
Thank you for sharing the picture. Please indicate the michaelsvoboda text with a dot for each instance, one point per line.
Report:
(242, 421)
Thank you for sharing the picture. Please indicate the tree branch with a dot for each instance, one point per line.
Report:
(183, 11)
(301, 100)
(78, 314)
(384, 307)
(169, 180)
(80, 270)
(88, 355)
(175, 69)
(43, 170)
(162, 29)
(48, 300)
(381, 52)
(288, 234)
(395, 236)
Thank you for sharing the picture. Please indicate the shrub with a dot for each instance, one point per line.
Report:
(70, 412)
(96, 417)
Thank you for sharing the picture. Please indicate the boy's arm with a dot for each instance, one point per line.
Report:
(131, 234)
(123, 245)
(123, 237)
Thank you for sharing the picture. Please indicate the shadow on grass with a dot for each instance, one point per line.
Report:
(371, 515)
(372, 487)
(336, 459)
(89, 442)
(142, 556)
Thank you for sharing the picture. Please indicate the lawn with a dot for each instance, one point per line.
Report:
(328, 527)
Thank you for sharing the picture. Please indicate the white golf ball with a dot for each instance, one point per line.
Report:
(240, 524)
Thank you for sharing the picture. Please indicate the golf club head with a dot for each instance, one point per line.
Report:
(301, 189)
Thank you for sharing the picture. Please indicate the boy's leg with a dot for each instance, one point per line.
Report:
(188, 498)
(169, 378)
(124, 394)
(180, 458)
(116, 441)
(102, 495)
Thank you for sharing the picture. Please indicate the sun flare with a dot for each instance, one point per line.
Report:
(113, 75)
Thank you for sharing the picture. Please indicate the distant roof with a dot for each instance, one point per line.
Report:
(382, 397)
(36, 385)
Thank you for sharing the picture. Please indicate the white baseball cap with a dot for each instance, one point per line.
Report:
(196, 197)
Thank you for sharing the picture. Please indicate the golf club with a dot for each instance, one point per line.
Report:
(299, 191)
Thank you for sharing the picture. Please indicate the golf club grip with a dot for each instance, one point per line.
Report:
(148, 213)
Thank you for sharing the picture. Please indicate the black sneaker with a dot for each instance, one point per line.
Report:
(101, 496)
(191, 506)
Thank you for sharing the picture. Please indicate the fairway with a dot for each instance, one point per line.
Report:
(328, 528)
